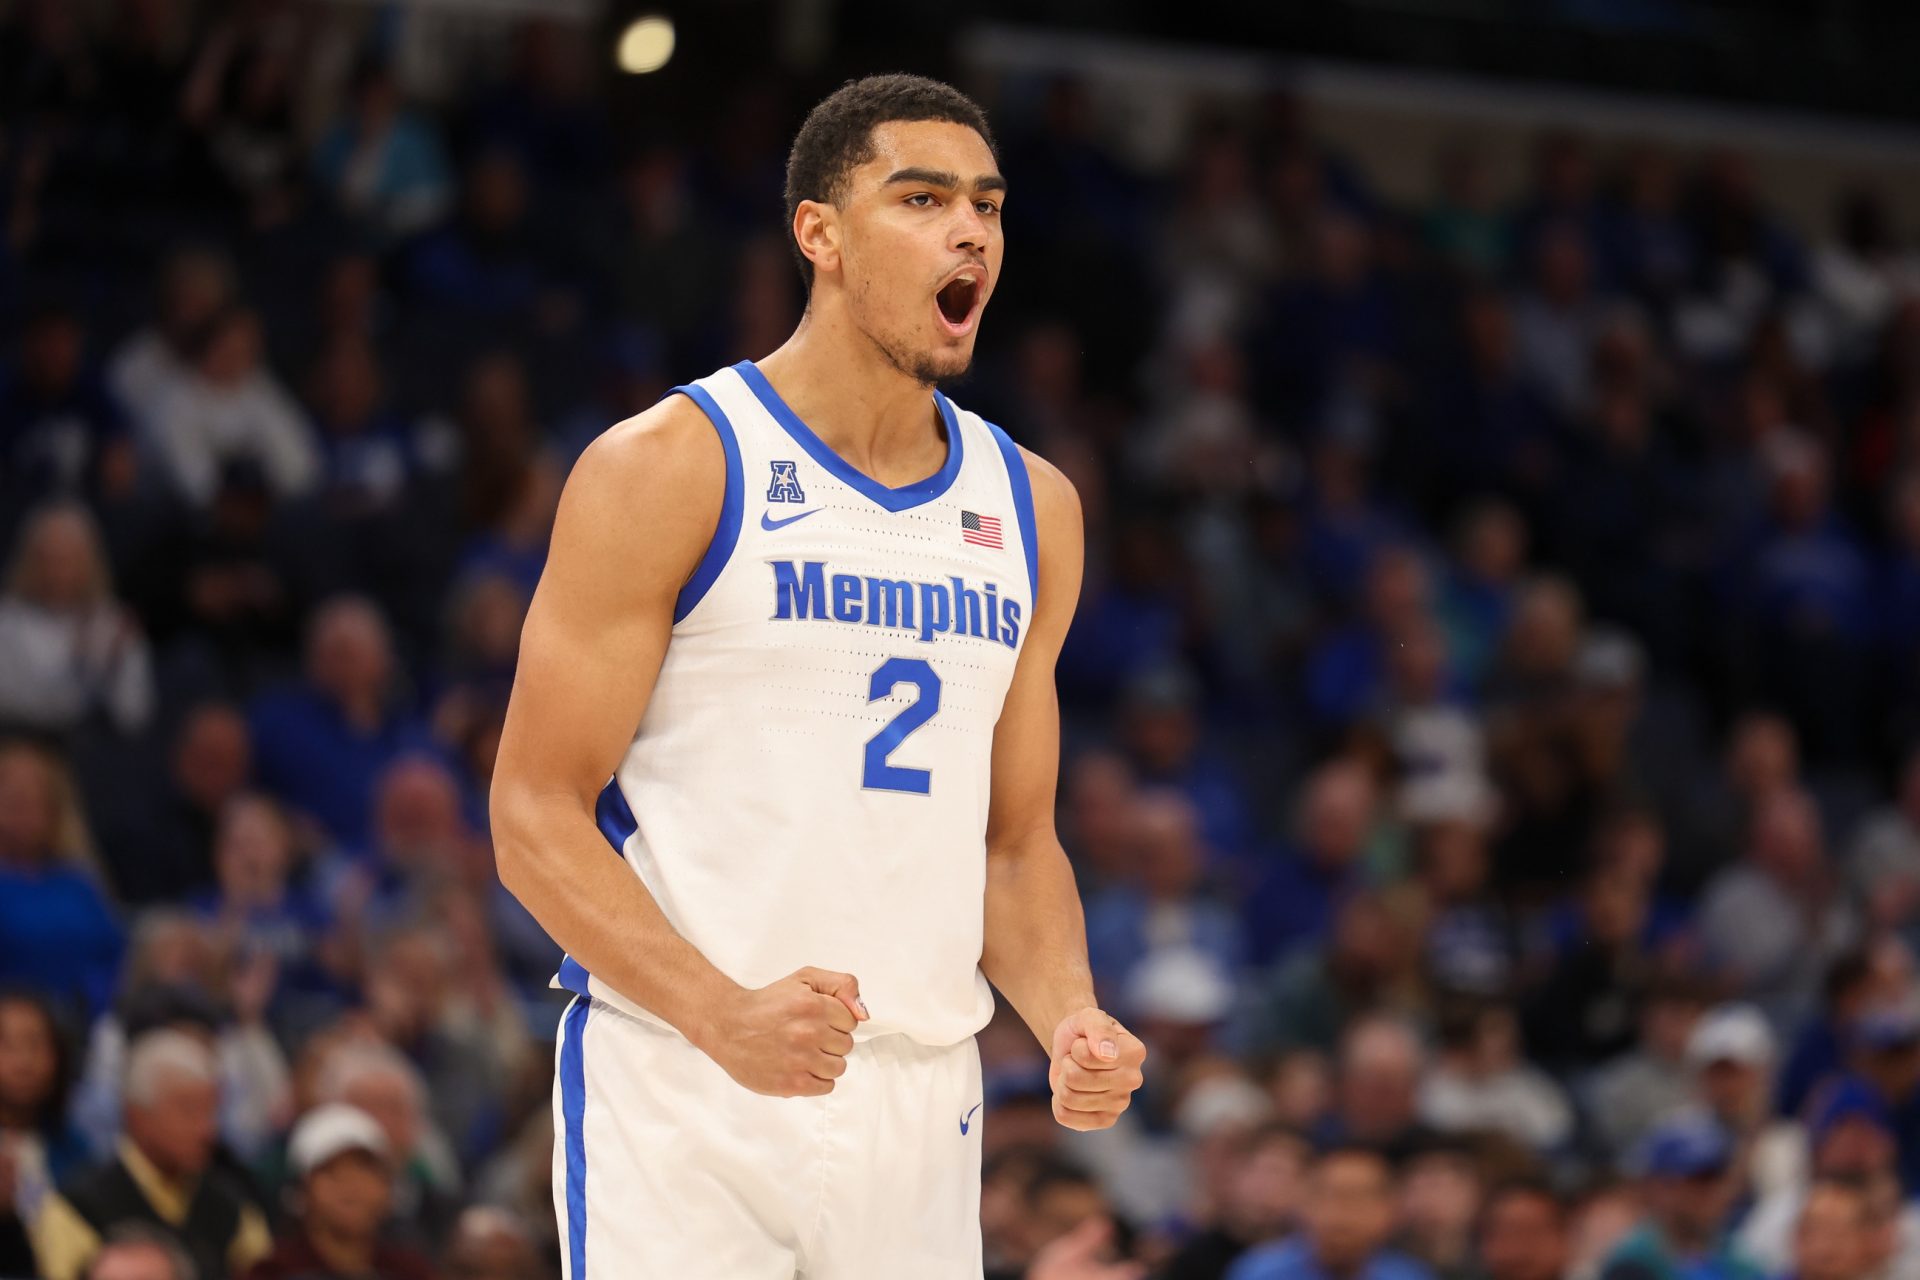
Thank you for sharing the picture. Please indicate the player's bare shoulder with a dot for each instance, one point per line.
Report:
(1055, 499)
(1060, 527)
(643, 499)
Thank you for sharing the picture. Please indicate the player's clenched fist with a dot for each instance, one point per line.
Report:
(1096, 1068)
(789, 1038)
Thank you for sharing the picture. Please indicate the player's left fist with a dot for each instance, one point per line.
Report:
(1096, 1068)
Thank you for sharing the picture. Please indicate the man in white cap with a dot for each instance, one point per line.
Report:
(1732, 1055)
(341, 1157)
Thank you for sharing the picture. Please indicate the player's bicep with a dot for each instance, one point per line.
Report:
(635, 517)
(1026, 741)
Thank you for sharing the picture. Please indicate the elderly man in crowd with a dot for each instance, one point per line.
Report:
(161, 1175)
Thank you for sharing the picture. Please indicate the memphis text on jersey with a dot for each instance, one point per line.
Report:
(926, 608)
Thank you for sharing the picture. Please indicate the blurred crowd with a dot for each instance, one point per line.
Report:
(1491, 723)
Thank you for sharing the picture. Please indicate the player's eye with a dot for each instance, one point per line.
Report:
(920, 200)
(986, 208)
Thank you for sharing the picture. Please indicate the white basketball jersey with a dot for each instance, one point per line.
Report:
(809, 783)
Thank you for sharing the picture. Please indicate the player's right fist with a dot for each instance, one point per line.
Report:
(790, 1038)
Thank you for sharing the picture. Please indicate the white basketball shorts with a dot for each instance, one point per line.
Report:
(663, 1166)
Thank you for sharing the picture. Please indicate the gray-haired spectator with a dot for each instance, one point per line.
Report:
(162, 1173)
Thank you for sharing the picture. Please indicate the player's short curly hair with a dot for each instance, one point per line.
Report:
(837, 136)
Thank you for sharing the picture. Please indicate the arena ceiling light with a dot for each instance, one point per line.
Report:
(645, 45)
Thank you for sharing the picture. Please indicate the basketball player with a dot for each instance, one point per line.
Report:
(806, 614)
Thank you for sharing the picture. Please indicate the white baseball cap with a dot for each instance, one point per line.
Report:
(1731, 1033)
(332, 1130)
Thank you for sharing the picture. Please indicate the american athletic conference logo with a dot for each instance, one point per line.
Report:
(786, 484)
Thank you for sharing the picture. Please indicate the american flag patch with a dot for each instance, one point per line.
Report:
(981, 531)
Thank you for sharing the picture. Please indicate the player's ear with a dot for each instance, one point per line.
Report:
(816, 229)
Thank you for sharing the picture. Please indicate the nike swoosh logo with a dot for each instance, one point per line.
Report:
(768, 523)
(970, 1110)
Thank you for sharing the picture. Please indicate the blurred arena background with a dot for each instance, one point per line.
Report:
(1491, 719)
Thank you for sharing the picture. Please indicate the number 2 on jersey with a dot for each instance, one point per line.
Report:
(879, 775)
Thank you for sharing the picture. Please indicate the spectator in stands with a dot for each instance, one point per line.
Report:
(151, 367)
(1523, 1233)
(1371, 959)
(370, 459)
(492, 1243)
(1762, 757)
(376, 1078)
(383, 164)
(135, 1251)
(58, 933)
(72, 651)
(229, 405)
(161, 1173)
(1166, 906)
(1377, 1088)
(1688, 1189)
(1265, 1183)
(36, 1078)
(1883, 854)
(1732, 1055)
(1630, 1094)
(1849, 1136)
(1875, 974)
(1556, 318)
(322, 744)
(253, 909)
(62, 434)
(1164, 733)
(1586, 1008)
(345, 1178)
(510, 481)
(1831, 1240)
(1479, 1083)
(177, 979)
(1441, 1188)
(1346, 1221)
(159, 845)
(1299, 893)
(1770, 925)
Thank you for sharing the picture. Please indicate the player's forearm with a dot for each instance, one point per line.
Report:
(1036, 934)
(553, 858)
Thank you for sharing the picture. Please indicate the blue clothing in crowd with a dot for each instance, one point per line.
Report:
(308, 755)
(1292, 1259)
(58, 934)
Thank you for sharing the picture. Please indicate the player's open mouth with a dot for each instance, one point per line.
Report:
(958, 303)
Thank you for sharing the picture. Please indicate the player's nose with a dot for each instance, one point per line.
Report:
(970, 232)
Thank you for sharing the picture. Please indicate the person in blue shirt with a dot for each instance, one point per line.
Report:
(1347, 1219)
(319, 746)
(58, 932)
(1688, 1166)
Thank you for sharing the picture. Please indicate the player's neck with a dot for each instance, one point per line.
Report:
(859, 403)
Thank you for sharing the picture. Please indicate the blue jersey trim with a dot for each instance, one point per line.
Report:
(907, 496)
(614, 816)
(1022, 505)
(573, 1110)
(727, 533)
